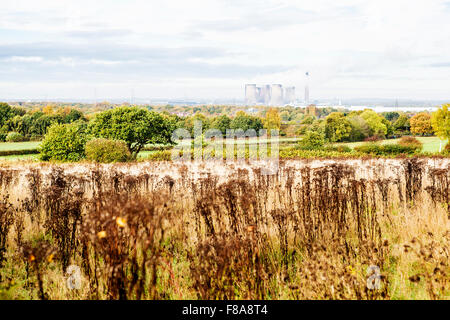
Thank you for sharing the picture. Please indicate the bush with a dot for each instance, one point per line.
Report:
(446, 150)
(312, 140)
(387, 149)
(369, 148)
(18, 152)
(339, 148)
(106, 150)
(410, 141)
(14, 137)
(373, 139)
(295, 153)
(164, 155)
(3, 135)
(64, 142)
(35, 137)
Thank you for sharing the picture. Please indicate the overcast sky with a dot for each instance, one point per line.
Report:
(211, 48)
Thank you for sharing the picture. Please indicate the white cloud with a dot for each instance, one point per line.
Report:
(210, 48)
(23, 59)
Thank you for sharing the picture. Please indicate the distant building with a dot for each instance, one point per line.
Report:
(276, 95)
(250, 94)
(307, 89)
(311, 110)
(258, 94)
(264, 95)
(289, 95)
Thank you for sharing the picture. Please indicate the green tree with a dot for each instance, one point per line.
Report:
(73, 115)
(17, 111)
(392, 116)
(360, 128)
(440, 121)
(5, 113)
(221, 123)
(389, 126)
(15, 124)
(402, 123)
(64, 142)
(244, 121)
(375, 122)
(312, 140)
(337, 127)
(285, 115)
(136, 126)
(308, 119)
(188, 123)
(421, 124)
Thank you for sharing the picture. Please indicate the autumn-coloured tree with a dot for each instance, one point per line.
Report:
(311, 110)
(48, 110)
(440, 122)
(272, 119)
(421, 124)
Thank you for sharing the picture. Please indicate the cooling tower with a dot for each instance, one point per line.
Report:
(289, 95)
(276, 95)
(258, 94)
(250, 94)
(265, 94)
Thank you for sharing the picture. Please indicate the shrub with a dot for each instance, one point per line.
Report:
(105, 150)
(18, 152)
(446, 150)
(64, 142)
(373, 139)
(3, 135)
(340, 148)
(164, 155)
(387, 149)
(312, 140)
(410, 141)
(370, 148)
(35, 137)
(295, 153)
(14, 137)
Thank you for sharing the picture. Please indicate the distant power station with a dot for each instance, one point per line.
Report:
(274, 95)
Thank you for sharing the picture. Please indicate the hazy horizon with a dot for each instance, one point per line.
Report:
(210, 49)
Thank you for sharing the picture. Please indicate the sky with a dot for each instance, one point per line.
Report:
(210, 49)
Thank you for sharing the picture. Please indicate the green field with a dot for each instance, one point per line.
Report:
(4, 146)
(30, 157)
(430, 144)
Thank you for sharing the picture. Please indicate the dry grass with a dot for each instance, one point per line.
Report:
(309, 232)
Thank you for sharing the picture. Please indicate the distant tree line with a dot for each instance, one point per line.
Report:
(33, 124)
(137, 126)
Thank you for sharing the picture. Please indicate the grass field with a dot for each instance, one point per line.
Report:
(4, 146)
(338, 230)
(430, 144)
